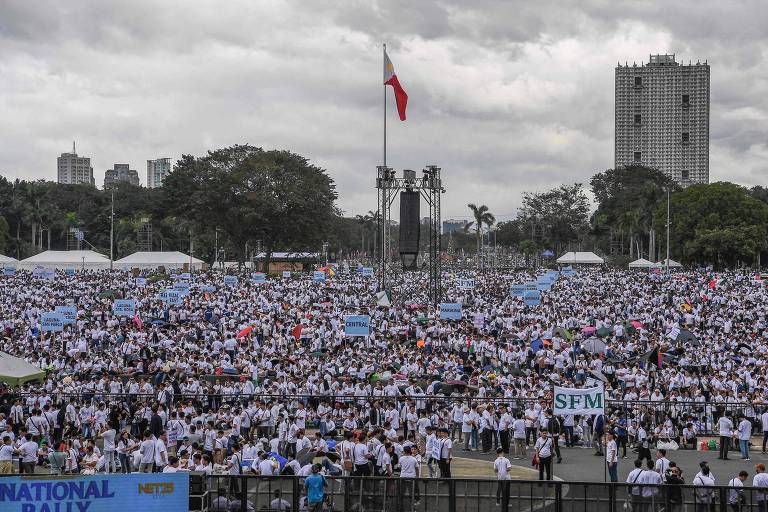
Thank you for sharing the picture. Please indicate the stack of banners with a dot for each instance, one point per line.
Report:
(465, 284)
(69, 313)
(148, 492)
(583, 401)
(230, 280)
(357, 325)
(124, 307)
(450, 311)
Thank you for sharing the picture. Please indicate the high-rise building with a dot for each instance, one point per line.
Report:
(157, 170)
(451, 225)
(662, 118)
(120, 172)
(73, 169)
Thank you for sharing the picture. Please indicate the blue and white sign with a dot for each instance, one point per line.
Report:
(365, 271)
(450, 311)
(286, 273)
(230, 280)
(140, 282)
(124, 307)
(186, 275)
(51, 322)
(171, 297)
(182, 287)
(465, 284)
(148, 492)
(48, 274)
(318, 276)
(357, 325)
(69, 313)
(531, 285)
(9, 271)
(568, 271)
(208, 288)
(545, 279)
(517, 290)
(258, 278)
(543, 287)
(532, 298)
(69, 271)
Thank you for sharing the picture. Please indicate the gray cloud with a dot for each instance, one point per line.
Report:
(505, 96)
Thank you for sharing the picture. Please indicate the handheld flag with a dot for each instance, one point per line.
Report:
(390, 78)
(137, 320)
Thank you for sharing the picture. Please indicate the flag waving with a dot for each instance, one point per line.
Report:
(390, 78)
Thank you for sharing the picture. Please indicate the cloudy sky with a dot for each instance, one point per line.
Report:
(505, 96)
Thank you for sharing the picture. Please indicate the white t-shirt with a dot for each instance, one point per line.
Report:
(544, 446)
(725, 426)
(6, 452)
(502, 465)
(408, 466)
(519, 428)
(147, 450)
(109, 440)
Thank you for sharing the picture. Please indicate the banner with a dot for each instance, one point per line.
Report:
(479, 320)
(258, 278)
(230, 280)
(186, 275)
(69, 271)
(148, 492)
(531, 285)
(357, 325)
(583, 401)
(517, 290)
(69, 313)
(171, 297)
(465, 284)
(124, 307)
(140, 282)
(286, 273)
(318, 276)
(9, 271)
(450, 311)
(207, 288)
(365, 271)
(543, 287)
(48, 274)
(532, 297)
(51, 322)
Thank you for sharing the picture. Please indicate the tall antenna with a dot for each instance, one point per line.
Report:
(73, 148)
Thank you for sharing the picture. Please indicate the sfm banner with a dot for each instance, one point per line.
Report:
(160, 492)
(579, 401)
(357, 325)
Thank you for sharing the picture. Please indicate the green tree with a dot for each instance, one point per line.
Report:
(4, 234)
(719, 224)
(555, 218)
(482, 218)
(251, 194)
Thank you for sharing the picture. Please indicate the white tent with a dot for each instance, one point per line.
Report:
(7, 259)
(152, 260)
(580, 258)
(16, 371)
(642, 263)
(60, 260)
(672, 263)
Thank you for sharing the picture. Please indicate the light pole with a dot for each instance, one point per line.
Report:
(668, 208)
(112, 232)
(325, 252)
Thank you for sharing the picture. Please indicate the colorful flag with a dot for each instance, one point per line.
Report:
(390, 78)
(296, 332)
(137, 320)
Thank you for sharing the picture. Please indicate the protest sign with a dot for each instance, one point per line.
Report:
(584, 401)
(124, 307)
(357, 325)
(51, 322)
(450, 311)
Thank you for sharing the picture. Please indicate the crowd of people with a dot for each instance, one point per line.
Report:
(259, 377)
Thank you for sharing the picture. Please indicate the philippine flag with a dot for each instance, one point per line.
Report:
(390, 78)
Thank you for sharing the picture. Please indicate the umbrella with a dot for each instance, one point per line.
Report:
(744, 348)
(159, 322)
(245, 332)
(637, 324)
(565, 333)
(536, 345)
(599, 375)
(547, 253)
(603, 332)
(107, 294)
(686, 336)
(593, 345)
(588, 330)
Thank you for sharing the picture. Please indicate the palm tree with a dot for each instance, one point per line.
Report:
(482, 217)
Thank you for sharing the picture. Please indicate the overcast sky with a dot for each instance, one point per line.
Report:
(505, 96)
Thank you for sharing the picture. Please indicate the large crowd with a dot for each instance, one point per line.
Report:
(260, 377)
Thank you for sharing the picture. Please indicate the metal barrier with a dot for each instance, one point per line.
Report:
(376, 494)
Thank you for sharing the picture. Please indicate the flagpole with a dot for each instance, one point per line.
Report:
(384, 86)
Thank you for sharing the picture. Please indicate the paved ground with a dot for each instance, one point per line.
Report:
(579, 464)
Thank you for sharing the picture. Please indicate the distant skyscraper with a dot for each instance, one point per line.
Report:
(121, 172)
(157, 170)
(73, 169)
(451, 225)
(662, 118)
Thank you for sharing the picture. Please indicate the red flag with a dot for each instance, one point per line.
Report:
(137, 320)
(296, 332)
(660, 357)
(390, 78)
(244, 332)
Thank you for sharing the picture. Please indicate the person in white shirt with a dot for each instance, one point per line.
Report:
(735, 495)
(612, 457)
(649, 480)
(6, 457)
(760, 480)
(633, 478)
(502, 467)
(744, 430)
(703, 481)
(725, 428)
(662, 462)
(108, 435)
(161, 452)
(28, 451)
(544, 447)
(147, 451)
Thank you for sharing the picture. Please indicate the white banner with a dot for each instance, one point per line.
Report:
(579, 401)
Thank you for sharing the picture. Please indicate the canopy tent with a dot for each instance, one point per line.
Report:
(15, 371)
(580, 258)
(153, 260)
(672, 263)
(642, 263)
(60, 260)
(7, 259)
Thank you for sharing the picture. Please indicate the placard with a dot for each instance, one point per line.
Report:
(258, 278)
(517, 290)
(286, 273)
(479, 320)
(450, 311)
(171, 297)
(230, 280)
(186, 275)
(532, 297)
(357, 325)
(365, 271)
(207, 288)
(51, 322)
(69, 313)
(465, 284)
(69, 271)
(531, 285)
(140, 282)
(318, 276)
(124, 307)
(9, 271)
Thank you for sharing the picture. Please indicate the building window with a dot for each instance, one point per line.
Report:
(686, 99)
(686, 137)
(684, 174)
(638, 81)
(637, 156)
(638, 118)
